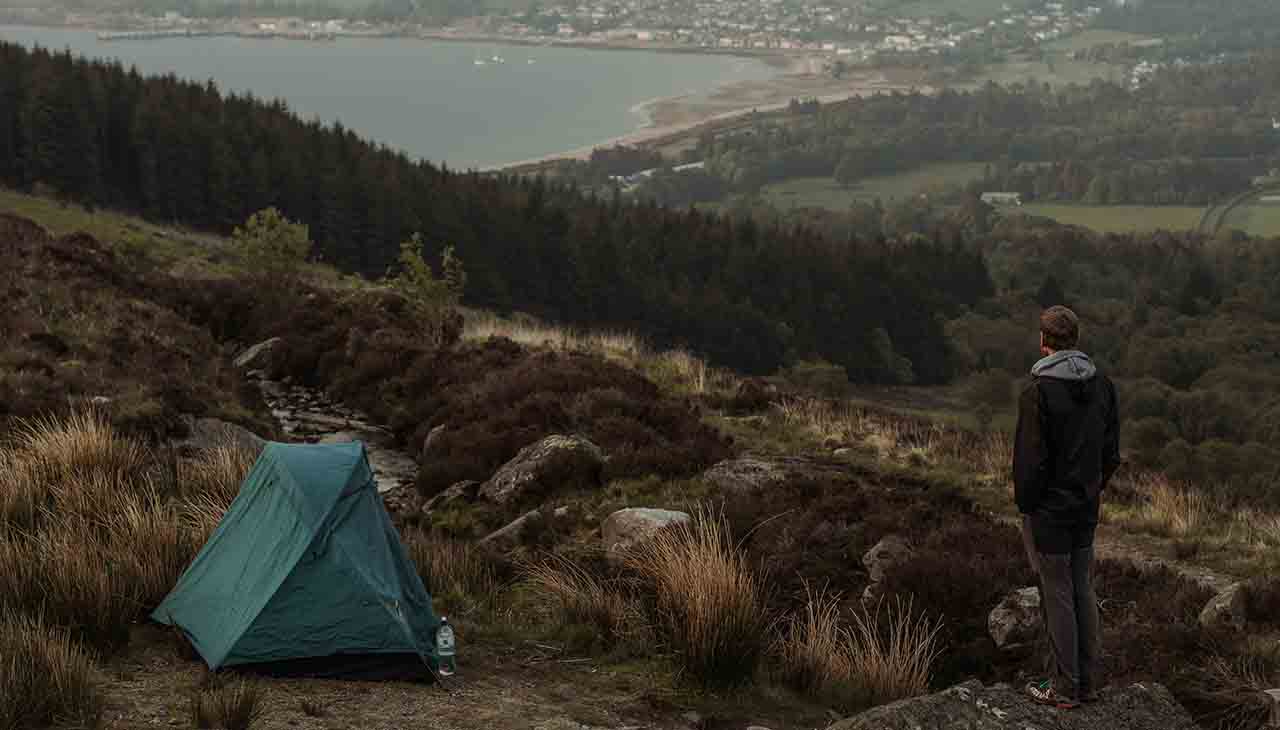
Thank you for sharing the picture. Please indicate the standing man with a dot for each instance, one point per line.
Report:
(1066, 449)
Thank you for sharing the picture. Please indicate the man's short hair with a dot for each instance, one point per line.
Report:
(1060, 327)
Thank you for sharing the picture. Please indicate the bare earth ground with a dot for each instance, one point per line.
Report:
(511, 687)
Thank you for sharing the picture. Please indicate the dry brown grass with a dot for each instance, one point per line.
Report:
(583, 599)
(891, 657)
(454, 572)
(812, 651)
(710, 602)
(46, 679)
(880, 657)
(216, 473)
(679, 370)
(91, 537)
(1171, 509)
(227, 706)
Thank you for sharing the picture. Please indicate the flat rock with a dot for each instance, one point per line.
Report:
(971, 706)
(554, 463)
(626, 528)
(1017, 620)
(513, 533)
(745, 475)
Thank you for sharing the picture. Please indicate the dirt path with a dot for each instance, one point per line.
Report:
(308, 415)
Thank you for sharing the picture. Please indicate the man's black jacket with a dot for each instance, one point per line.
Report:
(1067, 445)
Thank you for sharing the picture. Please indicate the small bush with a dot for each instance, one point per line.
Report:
(584, 599)
(227, 706)
(46, 679)
(710, 603)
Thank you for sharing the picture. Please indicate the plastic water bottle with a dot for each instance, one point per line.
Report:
(445, 648)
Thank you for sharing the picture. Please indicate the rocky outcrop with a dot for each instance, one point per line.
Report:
(1228, 609)
(258, 357)
(971, 706)
(554, 463)
(627, 528)
(1017, 620)
(210, 433)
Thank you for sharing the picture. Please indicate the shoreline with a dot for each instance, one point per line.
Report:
(675, 118)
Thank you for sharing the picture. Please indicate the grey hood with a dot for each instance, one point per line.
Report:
(1071, 365)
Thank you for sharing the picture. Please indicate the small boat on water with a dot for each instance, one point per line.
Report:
(480, 62)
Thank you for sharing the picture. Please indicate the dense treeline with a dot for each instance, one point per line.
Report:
(1207, 113)
(749, 296)
(1190, 326)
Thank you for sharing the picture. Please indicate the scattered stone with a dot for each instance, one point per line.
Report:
(432, 440)
(210, 433)
(627, 528)
(842, 452)
(556, 462)
(1227, 609)
(1017, 620)
(971, 706)
(402, 501)
(513, 533)
(461, 492)
(258, 357)
(886, 555)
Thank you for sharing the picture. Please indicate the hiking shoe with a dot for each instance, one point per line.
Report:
(1045, 694)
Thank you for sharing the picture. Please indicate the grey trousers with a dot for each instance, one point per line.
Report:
(1070, 612)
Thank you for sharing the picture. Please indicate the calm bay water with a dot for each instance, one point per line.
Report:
(431, 98)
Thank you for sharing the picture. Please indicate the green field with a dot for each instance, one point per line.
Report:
(1258, 219)
(1117, 218)
(825, 192)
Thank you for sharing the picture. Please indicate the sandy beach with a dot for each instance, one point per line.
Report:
(676, 117)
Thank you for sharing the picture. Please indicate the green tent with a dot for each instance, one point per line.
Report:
(306, 575)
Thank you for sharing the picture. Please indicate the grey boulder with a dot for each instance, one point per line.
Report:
(625, 529)
(1017, 620)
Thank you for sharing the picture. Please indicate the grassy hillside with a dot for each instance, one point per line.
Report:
(854, 473)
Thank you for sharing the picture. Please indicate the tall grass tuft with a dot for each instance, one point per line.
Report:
(216, 473)
(584, 599)
(454, 570)
(1170, 509)
(812, 650)
(227, 706)
(891, 658)
(709, 601)
(46, 678)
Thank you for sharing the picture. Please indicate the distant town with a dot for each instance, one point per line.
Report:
(848, 33)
